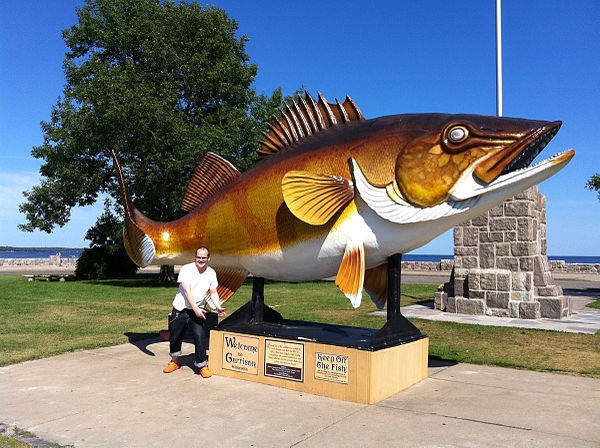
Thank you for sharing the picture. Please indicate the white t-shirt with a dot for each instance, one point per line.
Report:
(201, 284)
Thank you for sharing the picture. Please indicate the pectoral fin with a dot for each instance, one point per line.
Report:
(315, 198)
(229, 282)
(376, 284)
(351, 275)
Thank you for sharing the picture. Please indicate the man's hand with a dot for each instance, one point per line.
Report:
(200, 312)
(221, 311)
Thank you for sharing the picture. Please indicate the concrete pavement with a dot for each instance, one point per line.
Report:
(118, 396)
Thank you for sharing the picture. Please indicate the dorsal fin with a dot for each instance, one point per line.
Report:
(212, 174)
(306, 117)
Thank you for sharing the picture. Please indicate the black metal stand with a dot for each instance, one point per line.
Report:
(397, 329)
(258, 299)
(394, 285)
(257, 318)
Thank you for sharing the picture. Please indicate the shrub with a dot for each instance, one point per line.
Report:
(100, 263)
(106, 256)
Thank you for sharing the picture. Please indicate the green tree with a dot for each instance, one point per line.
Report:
(160, 84)
(593, 183)
(106, 256)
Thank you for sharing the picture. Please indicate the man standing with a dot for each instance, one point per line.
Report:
(197, 281)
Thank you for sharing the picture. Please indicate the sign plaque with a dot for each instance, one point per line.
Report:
(284, 360)
(331, 367)
(240, 353)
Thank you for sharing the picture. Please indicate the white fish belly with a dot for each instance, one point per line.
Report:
(320, 258)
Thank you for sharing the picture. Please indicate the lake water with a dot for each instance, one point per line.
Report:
(74, 253)
(40, 253)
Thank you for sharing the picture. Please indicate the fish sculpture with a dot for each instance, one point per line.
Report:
(336, 194)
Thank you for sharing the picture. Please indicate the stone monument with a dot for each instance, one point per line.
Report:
(501, 265)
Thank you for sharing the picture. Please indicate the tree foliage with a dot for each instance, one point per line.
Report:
(593, 183)
(106, 256)
(160, 84)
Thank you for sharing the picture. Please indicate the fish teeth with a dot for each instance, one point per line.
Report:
(524, 159)
(555, 156)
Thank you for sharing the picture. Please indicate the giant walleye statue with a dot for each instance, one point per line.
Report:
(336, 194)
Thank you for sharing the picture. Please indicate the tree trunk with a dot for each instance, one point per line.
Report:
(167, 273)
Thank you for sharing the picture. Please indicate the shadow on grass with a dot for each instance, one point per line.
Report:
(139, 281)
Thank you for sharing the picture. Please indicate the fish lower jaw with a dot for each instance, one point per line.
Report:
(470, 187)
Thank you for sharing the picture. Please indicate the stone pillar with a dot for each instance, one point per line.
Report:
(501, 265)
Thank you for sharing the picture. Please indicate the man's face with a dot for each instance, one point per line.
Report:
(202, 259)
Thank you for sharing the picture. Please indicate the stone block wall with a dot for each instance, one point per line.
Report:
(501, 266)
(53, 260)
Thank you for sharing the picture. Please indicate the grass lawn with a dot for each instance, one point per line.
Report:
(40, 319)
(595, 304)
(7, 442)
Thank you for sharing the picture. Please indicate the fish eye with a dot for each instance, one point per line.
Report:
(458, 134)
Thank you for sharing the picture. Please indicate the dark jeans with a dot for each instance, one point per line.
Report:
(178, 323)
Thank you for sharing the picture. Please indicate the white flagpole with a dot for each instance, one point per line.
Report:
(499, 58)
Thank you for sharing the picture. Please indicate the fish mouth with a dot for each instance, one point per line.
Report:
(469, 186)
(513, 165)
(469, 192)
(517, 155)
(524, 158)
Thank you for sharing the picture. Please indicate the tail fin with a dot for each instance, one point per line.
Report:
(139, 246)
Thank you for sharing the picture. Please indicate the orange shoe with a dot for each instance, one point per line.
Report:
(205, 372)
(171, 367)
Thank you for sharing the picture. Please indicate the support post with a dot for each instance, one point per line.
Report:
(394, 285)
(258, 299)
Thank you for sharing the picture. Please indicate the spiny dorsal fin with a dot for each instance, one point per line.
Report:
(212, 174)
(305, 117)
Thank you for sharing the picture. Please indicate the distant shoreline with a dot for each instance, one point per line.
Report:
(40, 249)
(42, 253)
(410, 263)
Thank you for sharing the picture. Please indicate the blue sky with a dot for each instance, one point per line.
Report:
(389, 56)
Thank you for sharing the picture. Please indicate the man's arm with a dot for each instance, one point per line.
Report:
(187, 289)
(214, 295)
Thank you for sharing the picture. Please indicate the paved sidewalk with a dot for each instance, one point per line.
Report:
(119, 397)
(581, 288)
(581, 321)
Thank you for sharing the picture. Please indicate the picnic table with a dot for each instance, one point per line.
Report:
(46, 277)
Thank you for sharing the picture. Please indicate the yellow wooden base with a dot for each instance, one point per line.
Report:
(343, 373)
